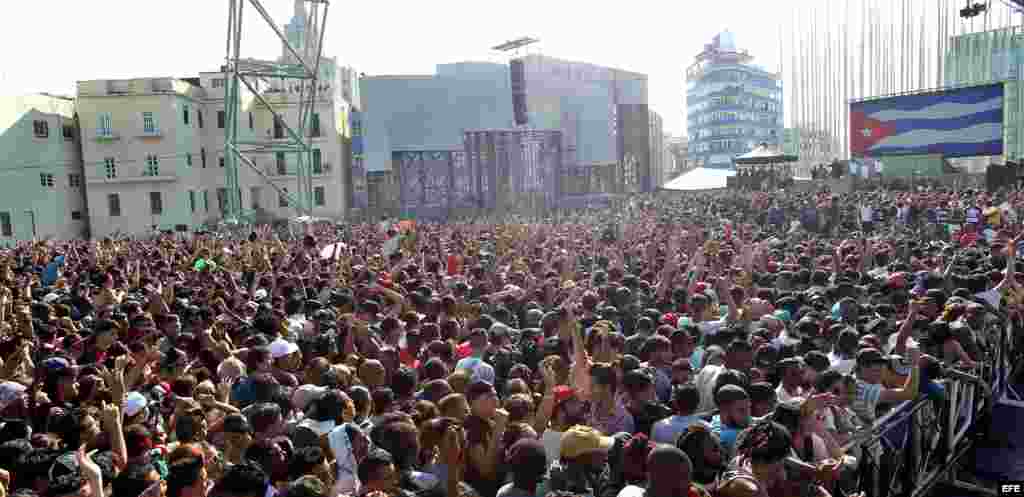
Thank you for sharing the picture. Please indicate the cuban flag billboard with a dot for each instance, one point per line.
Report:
(965, 122)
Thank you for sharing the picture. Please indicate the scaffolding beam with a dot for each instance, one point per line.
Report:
(293, 139)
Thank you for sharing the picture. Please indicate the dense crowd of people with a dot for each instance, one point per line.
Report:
(717, 344)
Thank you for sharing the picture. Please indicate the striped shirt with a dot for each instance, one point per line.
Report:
(865, 402)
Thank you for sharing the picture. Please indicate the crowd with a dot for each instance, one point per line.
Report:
(689, 347)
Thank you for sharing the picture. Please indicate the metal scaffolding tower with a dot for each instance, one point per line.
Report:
(288, 138)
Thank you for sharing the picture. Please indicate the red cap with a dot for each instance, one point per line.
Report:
(669, 319)
(897, 280)
(563, 393)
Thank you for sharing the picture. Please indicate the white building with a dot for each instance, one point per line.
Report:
(43, 195)
(155, 147)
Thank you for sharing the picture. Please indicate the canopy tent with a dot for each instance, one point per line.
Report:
(701, 178)
(762, 155)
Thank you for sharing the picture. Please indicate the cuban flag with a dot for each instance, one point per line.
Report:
(958, 123)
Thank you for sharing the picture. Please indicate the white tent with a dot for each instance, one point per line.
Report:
(701, 178)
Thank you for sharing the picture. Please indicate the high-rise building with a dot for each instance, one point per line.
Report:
(733, 105)
(43, 187)
(155, 146)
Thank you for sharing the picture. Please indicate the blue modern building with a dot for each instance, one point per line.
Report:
(732, 104)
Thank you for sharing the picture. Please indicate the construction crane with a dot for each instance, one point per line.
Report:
(300, 66)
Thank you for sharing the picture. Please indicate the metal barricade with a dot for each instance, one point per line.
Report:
(920, 444)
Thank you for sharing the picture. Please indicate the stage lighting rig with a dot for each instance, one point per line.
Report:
(971, 11)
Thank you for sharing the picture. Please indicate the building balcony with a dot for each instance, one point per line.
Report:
(106, 136)
(153, 133)
(124, 180)
(133, 173)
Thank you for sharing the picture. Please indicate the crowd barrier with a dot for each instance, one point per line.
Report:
(922, 443)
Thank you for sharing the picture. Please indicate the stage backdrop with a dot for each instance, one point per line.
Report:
(431, 182)
(963, 122)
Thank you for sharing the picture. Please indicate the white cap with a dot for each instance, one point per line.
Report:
(50, 297)
(259, 295)
(281, 347)
(134, 403)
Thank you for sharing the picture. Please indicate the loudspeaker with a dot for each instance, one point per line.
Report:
(517, 73)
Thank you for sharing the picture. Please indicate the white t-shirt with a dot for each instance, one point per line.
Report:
(991, 296)
(705, 382)
(632, 491)
(844, 366)
(552, 441)
(867, 214)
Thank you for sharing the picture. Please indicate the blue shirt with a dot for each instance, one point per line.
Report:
(52, 271)
(668, 430)
(727, 434)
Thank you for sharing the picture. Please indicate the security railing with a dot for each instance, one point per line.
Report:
(921, 443)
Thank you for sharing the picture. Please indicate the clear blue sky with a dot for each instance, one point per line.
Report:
(50, 45)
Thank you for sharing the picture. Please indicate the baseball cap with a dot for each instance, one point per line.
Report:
(134, 403)
(281, 347)
(563, 393)
(730, 393)
(581, 440)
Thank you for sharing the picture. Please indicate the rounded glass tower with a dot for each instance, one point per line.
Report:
(732, 104)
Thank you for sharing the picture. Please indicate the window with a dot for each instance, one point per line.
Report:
(252, 124)
(184, 114)
(202, 156)
(199, 117)
(68, 132)
(76, 215)
(188, 160)
(319, 196)
(41, 129)
(220, 119)
(254, 197)
(74, 181)
(152, 166)
(109, 168)
(220, 161)
(218, 82)
(282, 166)
(206, 200)
(46, 180)
(318, 167)
(282, 200)
(222, 200)
(314, 125)
(191, 200)
(148, 123)
(104, 127)
(6, 228)
(278, 127)
(114, 205)
(156, 203)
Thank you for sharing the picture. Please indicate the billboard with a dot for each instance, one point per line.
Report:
(964, 122)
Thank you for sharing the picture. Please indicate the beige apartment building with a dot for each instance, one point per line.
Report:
(42, 193)
(154, 148)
